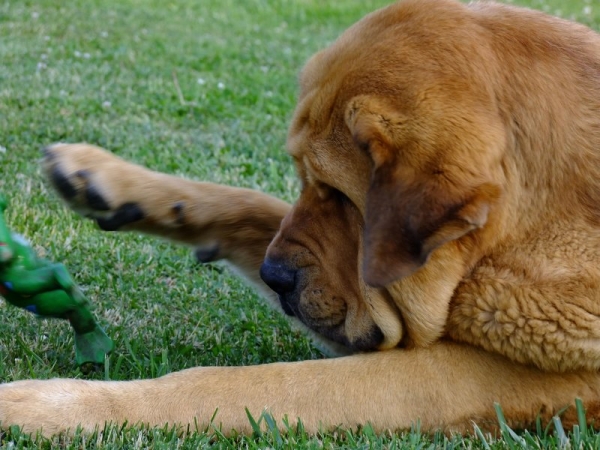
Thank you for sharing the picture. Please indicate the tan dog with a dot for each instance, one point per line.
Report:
(450, 217)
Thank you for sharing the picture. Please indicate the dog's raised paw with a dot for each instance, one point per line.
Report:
(89, 180)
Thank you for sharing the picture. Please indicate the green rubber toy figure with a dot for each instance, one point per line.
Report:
(47, 289)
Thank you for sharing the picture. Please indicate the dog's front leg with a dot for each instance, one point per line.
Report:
(446, 386)
(221, 222)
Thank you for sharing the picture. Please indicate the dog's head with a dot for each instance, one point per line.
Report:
(398, 147)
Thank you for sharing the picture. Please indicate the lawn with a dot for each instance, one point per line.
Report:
(202, 89)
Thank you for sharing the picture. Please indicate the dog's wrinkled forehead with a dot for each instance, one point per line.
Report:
(357, 64)
(319, 140)
(323, 149)
(404, 85)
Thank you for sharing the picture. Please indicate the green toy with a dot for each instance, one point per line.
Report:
(47, 289)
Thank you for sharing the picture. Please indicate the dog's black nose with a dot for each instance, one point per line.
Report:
(277, 276)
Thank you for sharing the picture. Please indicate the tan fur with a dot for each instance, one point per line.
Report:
(450, 215)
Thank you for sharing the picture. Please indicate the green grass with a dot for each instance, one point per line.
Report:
(202, 89)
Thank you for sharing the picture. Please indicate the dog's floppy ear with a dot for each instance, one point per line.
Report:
(408, 213)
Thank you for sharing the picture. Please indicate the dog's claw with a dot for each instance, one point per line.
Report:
(62, 184)
(95, 200)
(125, 214)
